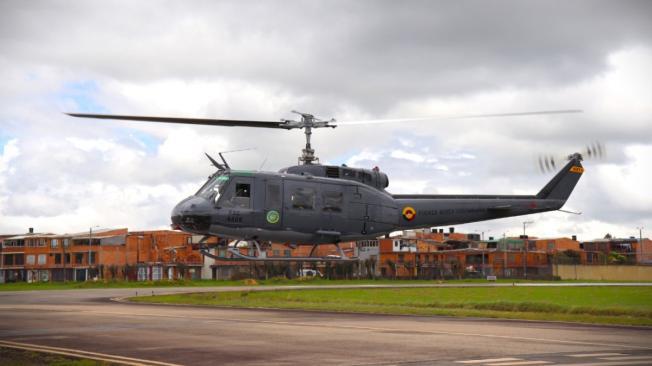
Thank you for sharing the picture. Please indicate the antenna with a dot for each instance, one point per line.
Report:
(230, 151)
(215, 163)
(262, 164)
(224, 160)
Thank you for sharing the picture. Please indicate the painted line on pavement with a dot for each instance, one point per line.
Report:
(84, 354)
(597, 354)
(490, 360)
(519, 363)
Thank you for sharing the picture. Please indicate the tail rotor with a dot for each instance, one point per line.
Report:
(549, 162)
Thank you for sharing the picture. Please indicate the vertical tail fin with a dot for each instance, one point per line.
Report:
(561, 186)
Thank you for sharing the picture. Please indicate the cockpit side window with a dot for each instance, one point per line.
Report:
(242, 197)
(236, 195)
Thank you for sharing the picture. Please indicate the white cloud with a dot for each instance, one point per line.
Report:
(400, 154)
(64, 174)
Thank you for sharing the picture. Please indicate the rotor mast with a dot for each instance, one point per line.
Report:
(307, 123)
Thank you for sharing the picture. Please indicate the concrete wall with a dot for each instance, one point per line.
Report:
(596, 272)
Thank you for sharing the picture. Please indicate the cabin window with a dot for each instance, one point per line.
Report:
(303, 198)
(273, 197)
(333, 201)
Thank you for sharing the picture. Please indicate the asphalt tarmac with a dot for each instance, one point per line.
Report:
(89, 323)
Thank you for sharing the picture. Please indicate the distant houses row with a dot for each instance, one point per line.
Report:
(120, 254)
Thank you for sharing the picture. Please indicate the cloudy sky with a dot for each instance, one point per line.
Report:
(344, 59)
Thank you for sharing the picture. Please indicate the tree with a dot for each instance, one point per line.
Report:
(393, 266)
(616, 258)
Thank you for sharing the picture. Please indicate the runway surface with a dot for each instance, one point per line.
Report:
(88, 321)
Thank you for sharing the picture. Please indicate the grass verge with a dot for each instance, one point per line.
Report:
(18, 357)
(600, 305)
(24, 286)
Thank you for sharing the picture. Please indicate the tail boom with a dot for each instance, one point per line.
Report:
(419, 211)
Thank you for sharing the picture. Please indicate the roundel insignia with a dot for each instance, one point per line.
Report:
(409, 213)
(273, 216)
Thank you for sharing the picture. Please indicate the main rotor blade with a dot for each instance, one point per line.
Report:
(469, 116)
(190, 121)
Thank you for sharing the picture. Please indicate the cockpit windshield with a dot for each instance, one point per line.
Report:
(213, 187)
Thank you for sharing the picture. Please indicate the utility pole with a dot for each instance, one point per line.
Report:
(90, 242)
(526, 223)
(525, 245)
(640, 240)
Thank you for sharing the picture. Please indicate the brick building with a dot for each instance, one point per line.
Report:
(101, 254)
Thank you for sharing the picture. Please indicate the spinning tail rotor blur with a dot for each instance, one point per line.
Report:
(551, 162)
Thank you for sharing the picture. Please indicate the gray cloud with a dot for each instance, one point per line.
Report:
(345, 59)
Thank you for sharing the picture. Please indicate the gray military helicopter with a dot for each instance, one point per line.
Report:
(314, 204)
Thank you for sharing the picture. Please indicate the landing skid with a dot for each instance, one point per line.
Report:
(261, 256)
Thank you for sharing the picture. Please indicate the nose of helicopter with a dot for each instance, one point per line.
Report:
(191, 215)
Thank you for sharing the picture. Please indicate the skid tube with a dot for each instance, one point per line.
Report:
(237, 256)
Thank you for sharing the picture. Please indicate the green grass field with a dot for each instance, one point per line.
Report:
(604, 305)
(23, 286)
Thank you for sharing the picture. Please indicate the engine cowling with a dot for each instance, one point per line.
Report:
(371, 177)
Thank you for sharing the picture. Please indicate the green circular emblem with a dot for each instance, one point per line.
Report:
(273, 216)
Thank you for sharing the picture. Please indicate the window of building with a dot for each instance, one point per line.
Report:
(57, 258)
(276, 252)
(303, 198)
(142, 273)
(66, 243)
(333, 201)
(30, 259)
(18, 259)
(287, 253)
(93, 255)
(157, 273)
(67, 258)
(54, 243)
(79, 258)
(42, 259)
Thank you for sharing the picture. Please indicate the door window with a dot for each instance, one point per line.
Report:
(333, 201)
(303, 198)
(273, 197)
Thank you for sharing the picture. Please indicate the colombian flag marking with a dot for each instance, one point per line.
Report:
(409, 213)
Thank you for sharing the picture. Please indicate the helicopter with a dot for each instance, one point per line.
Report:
(314, 204)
